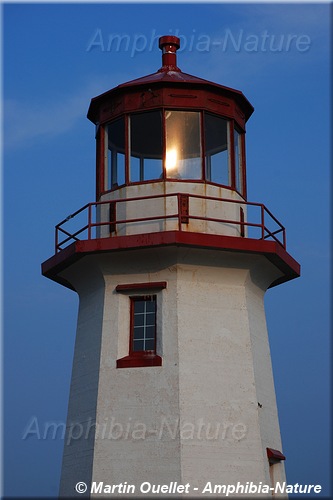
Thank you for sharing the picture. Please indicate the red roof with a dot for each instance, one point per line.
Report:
(170, 75)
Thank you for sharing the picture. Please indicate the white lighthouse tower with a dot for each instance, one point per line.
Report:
(172, 390)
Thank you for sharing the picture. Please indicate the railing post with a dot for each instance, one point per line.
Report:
(113, 216)
(262, 222)
(179, 212)
(242, 218)
(89, 221)
(56, 239)
(183, 208)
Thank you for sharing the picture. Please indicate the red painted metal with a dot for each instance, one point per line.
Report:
(154, 90)
(169, 46)
(100, 160)
(231, 152)
(262, 222)
(89, 221)
(129, 287)
(127, 148)
(165, 96)
(274, 456)
(203, 146)
(244, 187)
(183, 215)
(183, 208)
(113, 216)
(139, 361)
(242, 222)
(272, 250)
(56, 238)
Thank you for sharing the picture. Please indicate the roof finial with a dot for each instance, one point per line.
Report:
(169, 45)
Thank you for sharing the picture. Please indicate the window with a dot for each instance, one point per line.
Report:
(217, 157)
(173, 144)
(116, 154)
(146, 146)
(143, 324)
(183, 145)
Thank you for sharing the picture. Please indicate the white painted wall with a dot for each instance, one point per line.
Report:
(79, 439)
(169, 206)
(216, 368)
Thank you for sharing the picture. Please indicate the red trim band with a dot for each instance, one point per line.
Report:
(272, 250)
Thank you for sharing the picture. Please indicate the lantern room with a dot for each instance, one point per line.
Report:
(170, 126)
(170, 169)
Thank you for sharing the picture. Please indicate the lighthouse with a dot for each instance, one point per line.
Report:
(172, 389)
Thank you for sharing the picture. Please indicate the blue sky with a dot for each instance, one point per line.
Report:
(50, 72)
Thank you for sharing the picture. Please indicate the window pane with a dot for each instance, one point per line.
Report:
(120, 169)
(135, 169)
(216, 142)
(238, 160)
(139, 332)
(152, 168)
(183, 145)
(139, 319)
(150, 305)
(139, 306)
(138, 345)
(150, 319)
(146, 146)
(149, 345)
(150, 332)
(116, 154)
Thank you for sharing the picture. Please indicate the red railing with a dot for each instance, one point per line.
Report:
(84, 222)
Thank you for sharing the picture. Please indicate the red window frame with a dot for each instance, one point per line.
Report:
(142, 358)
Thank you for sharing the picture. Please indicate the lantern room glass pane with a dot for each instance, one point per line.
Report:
(116, 154)
(217, 157)
(146, 146)
(135, 169)
(238, 160)
(183, 145)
